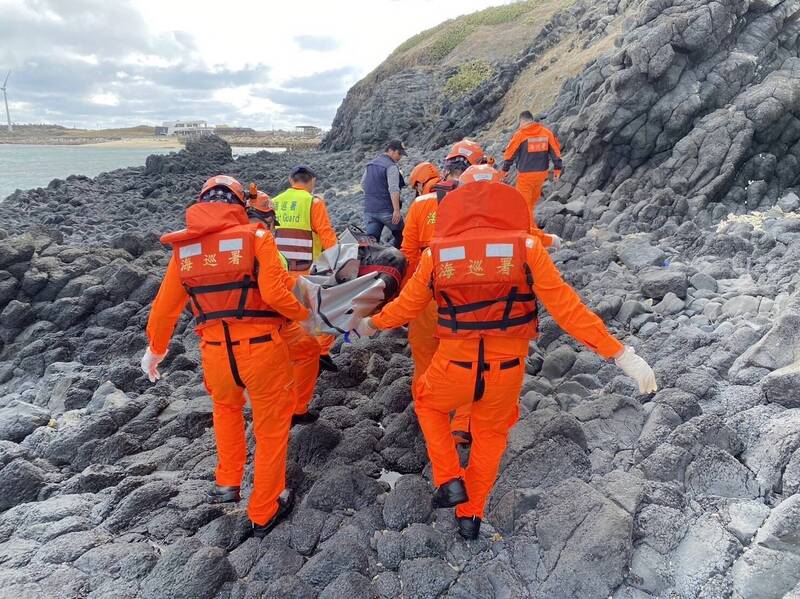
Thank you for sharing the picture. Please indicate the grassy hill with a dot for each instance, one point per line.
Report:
(479, 70)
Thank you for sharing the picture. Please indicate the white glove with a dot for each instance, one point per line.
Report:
(150, 362)
(555, 242)
(364, 328)
(636, 368)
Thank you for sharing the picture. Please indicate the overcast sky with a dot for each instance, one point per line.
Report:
(238, 62)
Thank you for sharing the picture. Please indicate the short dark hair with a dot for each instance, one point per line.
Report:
(526, 115)
(302, 173)
(302, 177)
(302, 168)
(397, 146)
(457, 165)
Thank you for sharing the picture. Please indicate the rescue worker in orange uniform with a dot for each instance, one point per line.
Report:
(423, 177)
(531, 149)
(417, 235)
(304, 349)
(420, 225)
(304, 233)
(230, 272)
(486, 273)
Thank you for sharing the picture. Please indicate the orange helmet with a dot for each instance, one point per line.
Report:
(422, 173)
(480, 172)
(252, 193)
(261, 203)
(467, 149)
(263, 208)
(222, 188)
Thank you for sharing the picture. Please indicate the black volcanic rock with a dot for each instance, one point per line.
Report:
(681, 229)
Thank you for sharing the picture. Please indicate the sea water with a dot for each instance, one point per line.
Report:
(28, 166)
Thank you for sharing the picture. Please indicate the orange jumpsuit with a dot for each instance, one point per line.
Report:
(304, 356)
(447, 385)
(531, 148)
(263, 367)
(417, 235)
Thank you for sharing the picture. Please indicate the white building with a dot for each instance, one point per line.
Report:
(185, 128)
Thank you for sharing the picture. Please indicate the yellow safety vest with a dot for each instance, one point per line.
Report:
(296, 240)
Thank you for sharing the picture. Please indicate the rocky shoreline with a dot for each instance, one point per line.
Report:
(254, 141)
(683, 234)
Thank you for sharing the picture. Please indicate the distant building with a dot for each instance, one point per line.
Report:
(307, 130)
(185, 128)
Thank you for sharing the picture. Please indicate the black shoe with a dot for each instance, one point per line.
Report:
(462, 437)
(309, 417)
(285, 505)
(223, 494)
(450, 494)
(327, 363)
(469, 527)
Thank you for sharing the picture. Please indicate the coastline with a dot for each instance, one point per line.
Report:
(138, 142)
(128, 143)
(170, 143)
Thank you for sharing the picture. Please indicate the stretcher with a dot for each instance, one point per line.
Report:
(348, 282)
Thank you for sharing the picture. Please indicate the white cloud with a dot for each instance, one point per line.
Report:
(240, 62)
(105, 99)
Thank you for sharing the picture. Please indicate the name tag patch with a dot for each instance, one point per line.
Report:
(450, 254)
(187, 251)
(230, 245)
(499, 250)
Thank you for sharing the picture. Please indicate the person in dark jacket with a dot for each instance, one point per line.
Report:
(381, 183)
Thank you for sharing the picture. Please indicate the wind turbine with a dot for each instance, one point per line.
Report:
(5, 97)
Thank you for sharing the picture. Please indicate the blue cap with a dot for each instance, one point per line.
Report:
(301, 169)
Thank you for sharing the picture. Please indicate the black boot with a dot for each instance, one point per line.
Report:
(450, 494)
(327, 363)
(285, 505)
(223, 494)
(309, 417)
(469, 527)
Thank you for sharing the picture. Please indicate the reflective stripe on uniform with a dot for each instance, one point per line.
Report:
(230, 245)
(187, 251)
(283, 241)
(450, 254)
(297, 255)
(499, 250)
(293, 210)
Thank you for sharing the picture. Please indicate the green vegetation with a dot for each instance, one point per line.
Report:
(497, 15)
(453, 35)
(468, 77)
(450, 34)
(415, 40)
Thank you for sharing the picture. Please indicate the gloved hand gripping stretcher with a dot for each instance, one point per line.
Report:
(350, 281)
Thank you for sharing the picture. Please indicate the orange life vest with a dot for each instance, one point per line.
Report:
(217, 265)
(482, 283)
